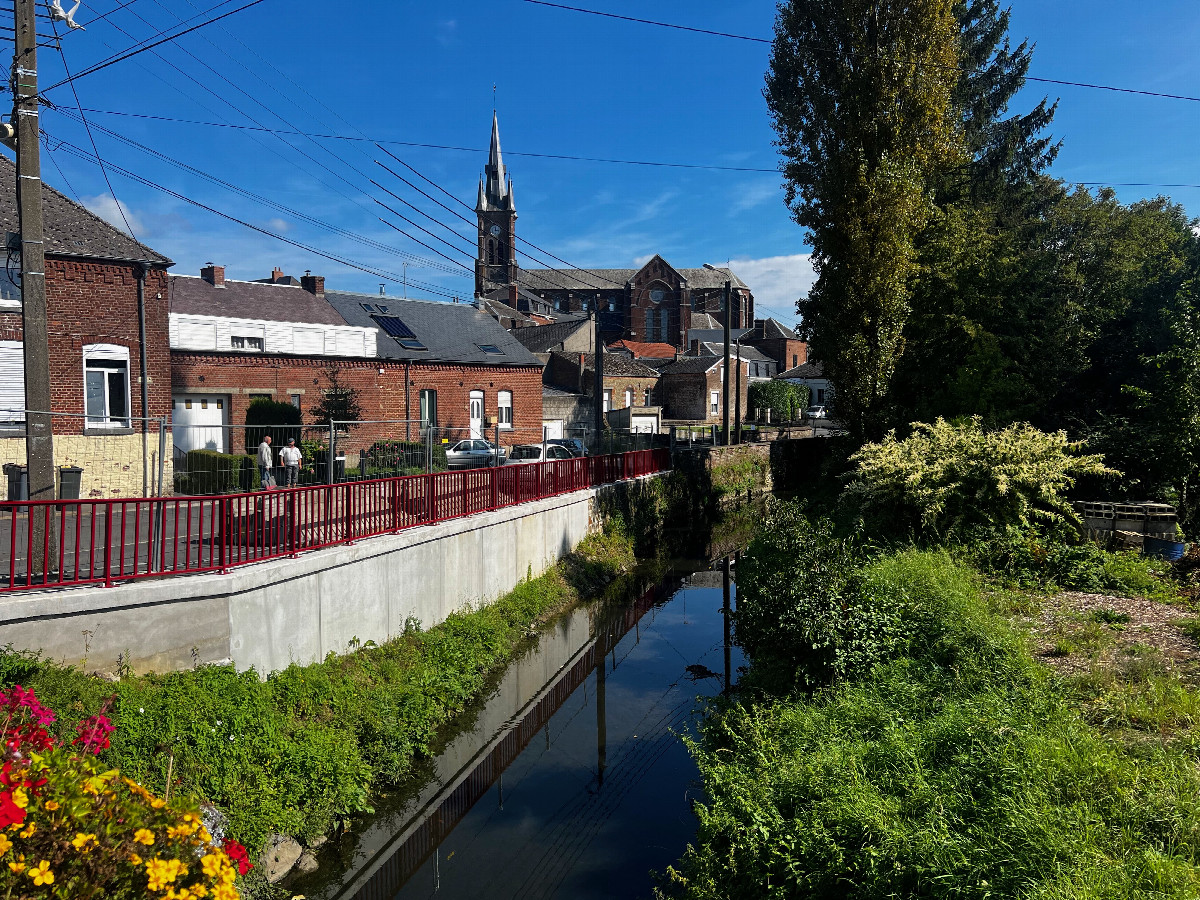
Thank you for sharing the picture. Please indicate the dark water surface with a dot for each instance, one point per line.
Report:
(570, 780)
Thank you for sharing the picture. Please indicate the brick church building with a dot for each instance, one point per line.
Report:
(653, 304)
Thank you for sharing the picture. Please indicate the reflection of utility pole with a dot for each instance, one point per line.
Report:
(601, 724)
(39, 441)
(725, 615)
(725, 370)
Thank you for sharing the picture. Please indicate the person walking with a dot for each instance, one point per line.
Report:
(265, 460)
(291, 456)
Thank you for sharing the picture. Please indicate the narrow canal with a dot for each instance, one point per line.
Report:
(570, 780)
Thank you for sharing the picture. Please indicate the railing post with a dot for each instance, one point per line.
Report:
(108, 527)
(494, 474)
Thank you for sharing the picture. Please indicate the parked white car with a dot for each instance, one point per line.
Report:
(531, 453)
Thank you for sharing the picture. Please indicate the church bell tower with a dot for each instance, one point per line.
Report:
(496, 262)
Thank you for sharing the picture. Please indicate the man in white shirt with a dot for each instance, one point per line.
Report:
(290, 456)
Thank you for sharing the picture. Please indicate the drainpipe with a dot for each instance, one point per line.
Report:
(141, 306)
(407, 403)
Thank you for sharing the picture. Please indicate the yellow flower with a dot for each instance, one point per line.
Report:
(41, 874)
(144, 836)
(225, 892)
(29, 830)
(20, 798)
(158, 803)
(135, 859)
(161, 872)
(51, 805)
(5, 844)
(184, 830)
(82, 840)
(18, 865)
(211, 865)
(204, 835)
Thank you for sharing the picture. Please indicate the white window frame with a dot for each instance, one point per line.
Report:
(245, 340)
(504, 410)
(118, 356)
(12, 407)
(714, 403)
(607, 401)
(628, 398)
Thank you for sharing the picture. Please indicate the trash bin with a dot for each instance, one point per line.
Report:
(18, 481)
(339, 469)
(69, 480)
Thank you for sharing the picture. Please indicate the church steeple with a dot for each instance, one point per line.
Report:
(496, 186)
(496, 265)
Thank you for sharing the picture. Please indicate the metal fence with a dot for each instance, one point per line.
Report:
(106, 541)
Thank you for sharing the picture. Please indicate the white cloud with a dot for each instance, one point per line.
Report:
(107, 208)
(777, 282)
(279, 226)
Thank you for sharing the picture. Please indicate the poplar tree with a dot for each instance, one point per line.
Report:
(862, 98)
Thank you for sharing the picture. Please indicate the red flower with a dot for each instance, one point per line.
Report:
(10, 813)
(93, 734)
(237, 854)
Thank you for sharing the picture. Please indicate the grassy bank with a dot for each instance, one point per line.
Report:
(915, 748)
(302, 750)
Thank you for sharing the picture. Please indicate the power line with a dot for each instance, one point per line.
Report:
(427, 146)
(759, 40)
(134, 51)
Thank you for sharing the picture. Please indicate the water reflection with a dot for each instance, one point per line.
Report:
(573, 782)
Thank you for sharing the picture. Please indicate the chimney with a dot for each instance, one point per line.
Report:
(512, 294)
(314, 284)
(214, 275)
(581, 378)
(276, 275)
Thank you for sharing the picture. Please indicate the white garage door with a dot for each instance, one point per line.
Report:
(553, 429)
(644, 425)
(198, 423)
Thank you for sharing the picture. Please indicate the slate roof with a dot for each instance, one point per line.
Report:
(544, 338)
(249, 300)
(501, 310)
(748, 353)
(644, 350)
(452, 332)
(615, 279)
(772, 329)
(614, 365)
(704, 320)
(808, 370)
(71, 230)
(715, 335)
(688, 365)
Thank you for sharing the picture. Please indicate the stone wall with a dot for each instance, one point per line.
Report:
(111, 462)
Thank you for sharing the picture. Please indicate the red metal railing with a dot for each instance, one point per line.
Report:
(70, 542)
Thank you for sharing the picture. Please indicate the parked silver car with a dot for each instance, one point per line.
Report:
(575, 445)
(531, 453)
(474, 453)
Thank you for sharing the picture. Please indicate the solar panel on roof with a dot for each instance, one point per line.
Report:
(402, 334)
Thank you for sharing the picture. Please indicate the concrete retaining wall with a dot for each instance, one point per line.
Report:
(274, 613)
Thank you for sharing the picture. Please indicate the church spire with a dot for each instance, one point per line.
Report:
(497, 193)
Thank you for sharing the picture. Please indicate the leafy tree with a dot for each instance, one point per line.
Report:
(339, 402)
(280, 420)
(948, 478)
(861, 96)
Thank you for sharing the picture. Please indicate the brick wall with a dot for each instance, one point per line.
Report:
(786, 352)
(686, 395)
(380, 383)
(619, 383)
(96, 303)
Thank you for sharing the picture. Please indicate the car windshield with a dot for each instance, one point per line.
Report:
(526, 453)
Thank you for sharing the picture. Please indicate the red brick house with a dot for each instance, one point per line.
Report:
(627, 382)
(93, 271)
(414, 363)
(777, 341)
(692, 389)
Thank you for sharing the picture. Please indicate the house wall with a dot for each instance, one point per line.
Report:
(96, 303)
(380, 383)
(213, 333)
(686, 394)
(787, 353)
(618, 384)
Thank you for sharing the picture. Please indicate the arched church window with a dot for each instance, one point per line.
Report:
(491, 253)
(657, 295)
(503, 254)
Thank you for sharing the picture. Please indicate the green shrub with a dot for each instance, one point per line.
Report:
(947, 478)
(785, 400)
(397, 455)
(280, 420)
(213, 472)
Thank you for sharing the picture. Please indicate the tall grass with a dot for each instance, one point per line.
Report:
(955, 768)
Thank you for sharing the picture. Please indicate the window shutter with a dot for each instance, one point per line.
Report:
(12, 382)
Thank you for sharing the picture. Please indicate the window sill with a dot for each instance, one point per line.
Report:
(94, 431)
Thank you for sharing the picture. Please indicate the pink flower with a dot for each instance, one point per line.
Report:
(93, 734)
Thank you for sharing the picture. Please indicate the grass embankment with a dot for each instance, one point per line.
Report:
(302, 750)
(939, 758)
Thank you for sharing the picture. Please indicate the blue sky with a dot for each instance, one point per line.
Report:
(566, 83)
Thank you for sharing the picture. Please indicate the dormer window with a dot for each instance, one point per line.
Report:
(490, 349)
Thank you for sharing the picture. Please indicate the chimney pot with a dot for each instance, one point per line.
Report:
(214, 275)
(276, 275)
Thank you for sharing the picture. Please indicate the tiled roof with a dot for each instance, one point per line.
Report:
(644, 350)
(614, 364)
(615, 279)
(808, 370)
(691, 365)
(544, 338)
(71, 230)
(249, 300)
(451, 332)
(772, 329)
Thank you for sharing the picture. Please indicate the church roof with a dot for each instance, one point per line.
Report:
(495, 188)
(612, 279)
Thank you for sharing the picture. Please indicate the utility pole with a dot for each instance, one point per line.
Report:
(598, 387)
(725, 373)
(39, 442)
(737, 392)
